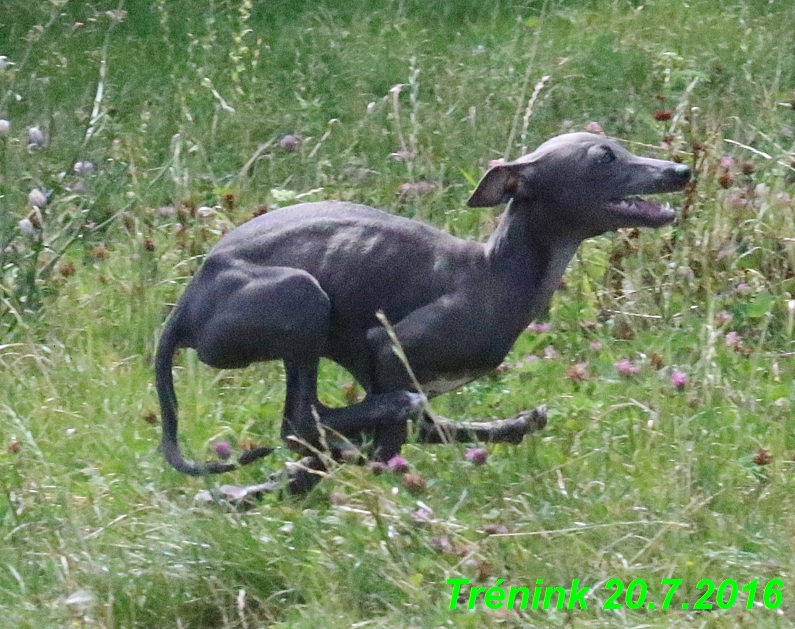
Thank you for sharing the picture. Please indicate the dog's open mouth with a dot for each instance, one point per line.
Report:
(643, 213)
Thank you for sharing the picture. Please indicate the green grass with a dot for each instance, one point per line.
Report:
(631, 479)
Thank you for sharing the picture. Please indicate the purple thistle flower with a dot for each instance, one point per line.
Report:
(477, 456)
(625, 368)
(679, 379)
(398, 464)
(290, 143)
(222, 450)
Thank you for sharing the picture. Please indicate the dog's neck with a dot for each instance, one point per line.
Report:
(532, 255)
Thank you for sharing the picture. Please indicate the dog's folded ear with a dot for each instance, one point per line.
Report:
(497, 186)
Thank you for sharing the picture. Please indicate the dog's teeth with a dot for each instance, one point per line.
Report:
(623, 205)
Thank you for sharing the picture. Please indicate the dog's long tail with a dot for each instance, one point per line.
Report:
(168, 407)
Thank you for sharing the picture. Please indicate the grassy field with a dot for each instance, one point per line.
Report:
(174, 112)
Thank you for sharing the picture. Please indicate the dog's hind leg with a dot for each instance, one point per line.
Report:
(305, 417)
(310, 427)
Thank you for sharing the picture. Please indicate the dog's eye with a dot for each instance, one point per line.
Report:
(607, 156)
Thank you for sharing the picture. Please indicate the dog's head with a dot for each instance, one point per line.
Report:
(585, 183)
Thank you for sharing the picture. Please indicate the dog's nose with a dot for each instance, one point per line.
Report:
(682, 171)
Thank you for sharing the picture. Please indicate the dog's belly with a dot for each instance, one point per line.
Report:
(442, 383)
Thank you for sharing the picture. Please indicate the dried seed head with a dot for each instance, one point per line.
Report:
(578, 372)
(149, 416)
(413, 190)
(747, 168)
(37, 198)
(376, 467)
(84, 167)
(36, 139)
(14, 447)
(67, 269)
(594, 127)
(27, 228)
(661, 115)
(100, 252)
(745, 352)
(726, 179)
(763, 457)
(350, 392)
(338, 498)
(414, 482)
(623, 330)
(484, 569)
(657, 360)
(352, 455)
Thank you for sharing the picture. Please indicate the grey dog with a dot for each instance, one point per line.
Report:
(305, 282)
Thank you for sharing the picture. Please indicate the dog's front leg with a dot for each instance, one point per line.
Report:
(512, 430)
